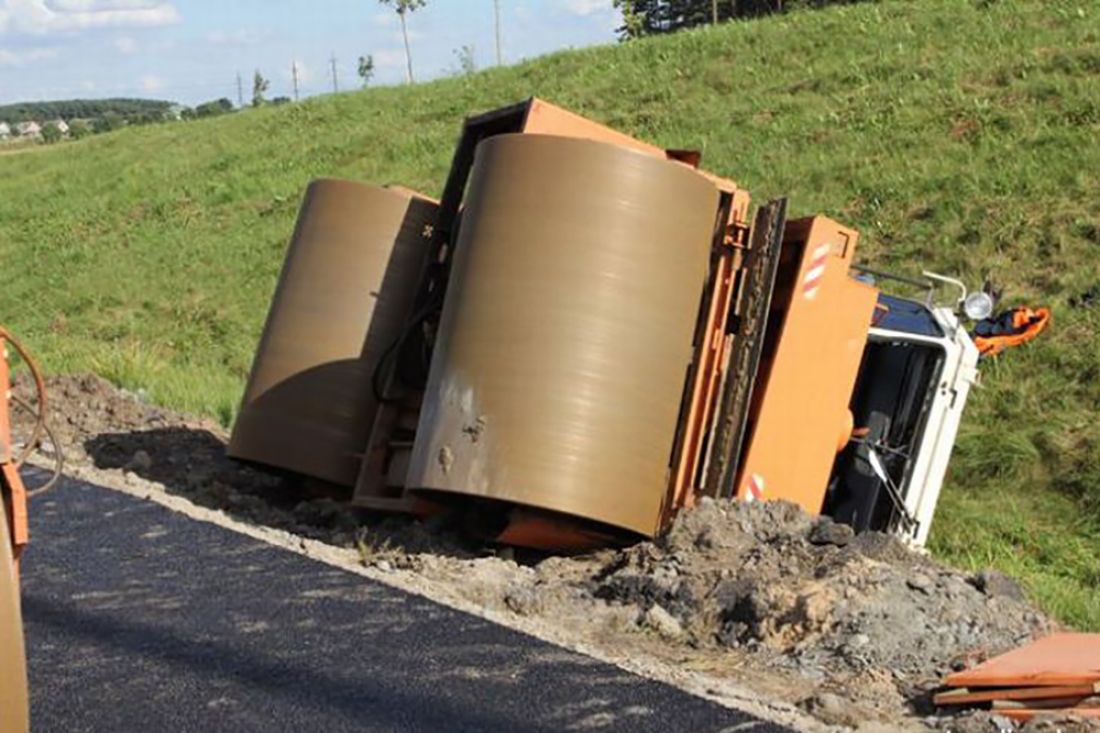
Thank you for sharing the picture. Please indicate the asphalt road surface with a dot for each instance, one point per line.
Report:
(141, 620)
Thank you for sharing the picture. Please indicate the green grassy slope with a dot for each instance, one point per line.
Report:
(955, 134)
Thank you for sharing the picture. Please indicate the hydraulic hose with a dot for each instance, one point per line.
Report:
(41, 426)
(40, 387)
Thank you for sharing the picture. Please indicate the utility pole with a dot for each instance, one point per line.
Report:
(714, 12)
(496, 15)
(294, 75)
(335, 84)
(240, 91)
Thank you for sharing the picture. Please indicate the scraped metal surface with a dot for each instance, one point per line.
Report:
(736, 398)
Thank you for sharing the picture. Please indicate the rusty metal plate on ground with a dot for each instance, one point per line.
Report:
(1058, 659)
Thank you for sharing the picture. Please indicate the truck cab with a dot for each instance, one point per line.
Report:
(917, 370)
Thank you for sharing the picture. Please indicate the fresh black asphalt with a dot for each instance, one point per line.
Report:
(141, 620)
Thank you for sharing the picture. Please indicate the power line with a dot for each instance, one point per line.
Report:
(496, 16)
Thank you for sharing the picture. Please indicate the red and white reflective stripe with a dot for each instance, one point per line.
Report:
(812, 282)
(756, 488)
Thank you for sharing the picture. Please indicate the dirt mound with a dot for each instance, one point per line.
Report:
(768, 577)
(851, 628)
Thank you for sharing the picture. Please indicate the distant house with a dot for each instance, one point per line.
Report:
(28, 129)
(5, 130)
(174, 112)
(60, 124)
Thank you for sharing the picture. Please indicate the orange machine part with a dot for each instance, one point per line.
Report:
(15, 494)
(543, 118)
(817, 330)
(1058, 659)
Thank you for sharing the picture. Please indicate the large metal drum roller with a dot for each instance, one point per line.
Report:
(567, 330)
(345, 291)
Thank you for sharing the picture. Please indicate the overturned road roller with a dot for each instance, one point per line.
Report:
(582, 337)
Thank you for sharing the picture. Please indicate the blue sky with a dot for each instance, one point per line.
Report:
(192, 50)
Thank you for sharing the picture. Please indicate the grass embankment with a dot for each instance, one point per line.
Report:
(956, 135)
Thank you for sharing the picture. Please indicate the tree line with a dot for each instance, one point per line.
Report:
(651, 17)
(85, 109)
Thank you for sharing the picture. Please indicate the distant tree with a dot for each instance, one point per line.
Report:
(79, 129)
(259, 88)
(148, 117)
(109, 121)
(51, 133)
(214, 108)
(403, 8)
(366, 69)
(467, 61)
(280, 100)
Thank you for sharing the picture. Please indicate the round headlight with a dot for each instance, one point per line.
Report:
(978, 306)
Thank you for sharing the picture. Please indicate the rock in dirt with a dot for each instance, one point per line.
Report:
(827, 532)
(663, 622)
(997, 584)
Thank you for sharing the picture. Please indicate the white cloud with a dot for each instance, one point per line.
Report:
(586, 7)
(38, 17)
(151, 84)
(125, 45)
(26, 57)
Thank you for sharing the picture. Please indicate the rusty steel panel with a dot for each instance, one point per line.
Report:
(567, 330)
(1058, 659)
(750, 320)
(342, 300)
(14, 715)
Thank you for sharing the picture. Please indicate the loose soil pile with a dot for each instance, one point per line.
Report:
(856, 630)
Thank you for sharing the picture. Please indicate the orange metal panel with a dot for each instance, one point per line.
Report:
(709, 365)
(819, 323)
(544, 118)
(10, 481)
(966, 696)
(1058, 659)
